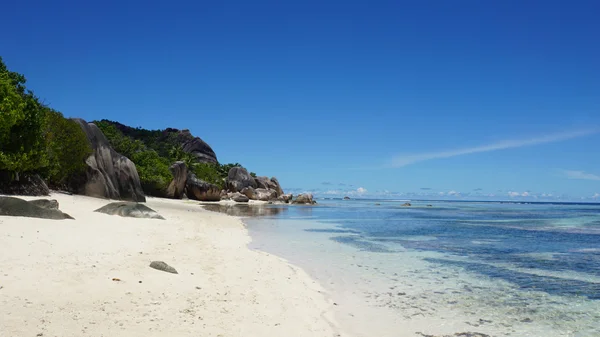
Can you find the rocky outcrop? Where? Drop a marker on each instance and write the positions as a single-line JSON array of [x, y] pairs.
[[109, 174], [176, 188], [162, 266], [10, 206], [269, 184], [201, 190], [285, 198], [346, 198], [263, 194], [304, 199], [31, 185], [249, 192], [130, 210], [45, 203], [196, 146], [238, 197], [238, 178], [407, 204]]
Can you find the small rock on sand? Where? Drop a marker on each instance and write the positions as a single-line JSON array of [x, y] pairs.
[[160, 265]]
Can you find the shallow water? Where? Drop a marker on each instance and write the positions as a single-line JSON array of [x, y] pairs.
[[493, 268]]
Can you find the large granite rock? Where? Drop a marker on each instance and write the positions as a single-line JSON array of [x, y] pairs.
[[304, 199], [109, 174], [176, 188], [238, 197], [286, 198], [196, 146], [265, 194], [130, 210], [269, 184], [238, 178], [201, 190], [10, 206], [31, 185], [249, 192]]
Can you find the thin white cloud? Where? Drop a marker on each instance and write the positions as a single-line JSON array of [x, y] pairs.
[[581, 175], [404, 160], [361, 190], [513, 194], [596, 196]]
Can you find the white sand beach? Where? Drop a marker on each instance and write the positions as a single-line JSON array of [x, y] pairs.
[[91, 277]]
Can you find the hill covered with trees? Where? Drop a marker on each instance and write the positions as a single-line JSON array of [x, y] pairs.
[[153, 152]]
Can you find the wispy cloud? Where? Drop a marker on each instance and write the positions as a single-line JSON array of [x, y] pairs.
[[425, 188], [326, 183], [581, 175], [404, 160]]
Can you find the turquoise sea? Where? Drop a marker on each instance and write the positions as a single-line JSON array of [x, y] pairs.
[[440, 268]]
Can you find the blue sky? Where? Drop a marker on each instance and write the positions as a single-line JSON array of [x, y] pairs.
[[452, 99]]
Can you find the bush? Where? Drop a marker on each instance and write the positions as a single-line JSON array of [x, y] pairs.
[[209, 173], [153, 171], [67, 146]]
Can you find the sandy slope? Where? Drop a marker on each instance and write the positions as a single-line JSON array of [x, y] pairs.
[[56, 277]]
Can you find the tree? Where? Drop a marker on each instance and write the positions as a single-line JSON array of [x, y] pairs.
[[22, 116], [68, 148]]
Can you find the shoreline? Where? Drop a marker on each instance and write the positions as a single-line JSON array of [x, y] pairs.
[[57, 277]]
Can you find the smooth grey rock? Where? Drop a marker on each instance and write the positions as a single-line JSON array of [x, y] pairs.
[[277, 186], [249, 192], [285, 198], [130, 210], [197, 189], [264, 194], [238, 178], [159, 265], [109, 174], [176, 188], [196, 146], [10, 206], [238, 197], [269, 184], [304, 199], [45, 203]]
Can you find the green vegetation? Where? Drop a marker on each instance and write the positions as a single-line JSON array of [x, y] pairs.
[[67, 148], [153, 151], [35, 139]]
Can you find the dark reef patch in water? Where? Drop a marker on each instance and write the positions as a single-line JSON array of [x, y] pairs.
[[361, 244], [548, 284], [333, 231]]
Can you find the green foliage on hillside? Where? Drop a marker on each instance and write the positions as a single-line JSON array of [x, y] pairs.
[[35, 138], [153, 151]]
